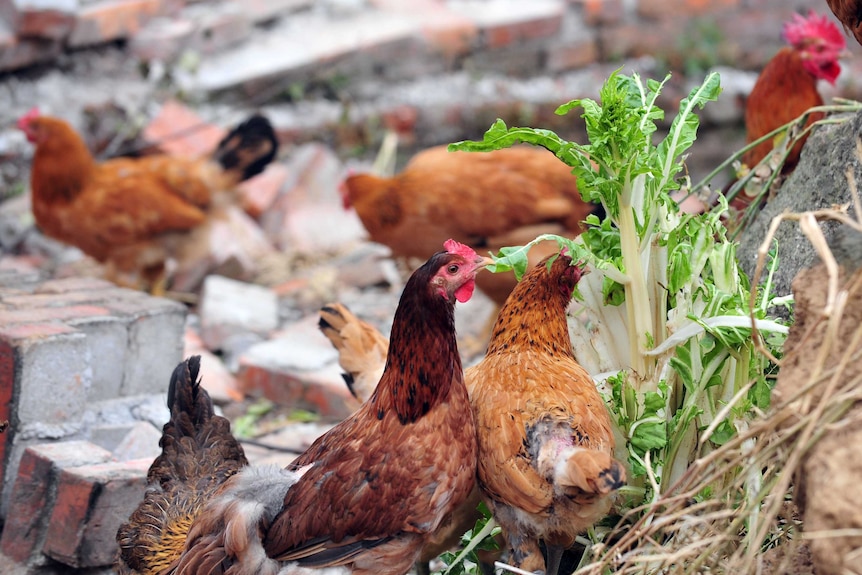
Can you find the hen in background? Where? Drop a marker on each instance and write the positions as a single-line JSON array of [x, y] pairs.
[[133, 213], [849, 13], [787, 87], [546, 464], [485, 200], [366, 495]]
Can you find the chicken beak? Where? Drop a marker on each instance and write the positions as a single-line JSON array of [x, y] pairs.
[[484, 262]]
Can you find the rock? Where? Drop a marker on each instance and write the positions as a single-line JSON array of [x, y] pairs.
[[818, 182], [229, 307]]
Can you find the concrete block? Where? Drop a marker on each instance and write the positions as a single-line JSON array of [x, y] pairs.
[[51, 371], [102, 22], [141, 442], [33, 494], [220, 26], [107, 338], [155, 343], [162, 39], [229, 307], [92, 501]]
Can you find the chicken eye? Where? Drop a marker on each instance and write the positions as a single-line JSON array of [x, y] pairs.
[[453, 268]]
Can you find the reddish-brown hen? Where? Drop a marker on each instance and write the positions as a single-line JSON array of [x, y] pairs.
[[486, 200], [130, 213], [849, 12], [367, 494], [546, 463], [787, 86]]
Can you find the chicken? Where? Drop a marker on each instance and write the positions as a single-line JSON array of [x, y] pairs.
[[362, 353], [361, 348], [546, 465], [198, 455], [132, 213], [367, 494], [486, 200], [849, 13], [787, 86]]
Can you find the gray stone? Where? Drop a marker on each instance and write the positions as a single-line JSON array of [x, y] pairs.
[[818, 182]]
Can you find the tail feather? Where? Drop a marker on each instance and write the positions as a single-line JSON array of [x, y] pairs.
[[361, 348], [591, 472], [247, 149], [198, 455]]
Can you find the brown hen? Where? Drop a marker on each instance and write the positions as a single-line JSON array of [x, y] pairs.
[[198, 455], [485, 200], [133, 213], [546, 462], [366, 495]]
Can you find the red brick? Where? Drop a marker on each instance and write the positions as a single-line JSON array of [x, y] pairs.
[[33, 331], [111, 20], [76, 284], [660, 9], [92, 501], [40, 315], [178, 131], [312, 391], [49, 24], [597, 12], [96, 296], [7, 389], [33, 494], [572, 56], [258, 193], [505, 34]]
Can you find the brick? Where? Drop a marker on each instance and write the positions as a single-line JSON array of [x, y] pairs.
[[50, 372], [41, 315], [162, 39], [141, 441], [178, 131], [50, 20], [155, 343], [297, 369], [258, 194], [33, 493], [107, 338], [265, 10], [572, 56], [74, 284], [602, 12], [229, 307], [92, 501], [503, 22], [16, 53], [220, 26], [659, 9], [109, 20], [49, 303]]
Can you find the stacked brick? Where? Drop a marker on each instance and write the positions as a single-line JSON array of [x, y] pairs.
[[401, 38], [69, 350]]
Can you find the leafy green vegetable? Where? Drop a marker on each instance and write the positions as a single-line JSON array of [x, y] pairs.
[[664, 325]]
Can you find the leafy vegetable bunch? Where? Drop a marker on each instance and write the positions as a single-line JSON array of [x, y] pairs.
[[662, 322]]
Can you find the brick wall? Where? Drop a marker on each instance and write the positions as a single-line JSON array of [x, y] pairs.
[[409, 37]]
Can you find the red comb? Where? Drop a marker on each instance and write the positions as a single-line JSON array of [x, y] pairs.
[[24, 120], [802, 28], [454, 247]]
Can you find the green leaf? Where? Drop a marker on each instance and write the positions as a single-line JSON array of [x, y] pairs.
[[649, 435]]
